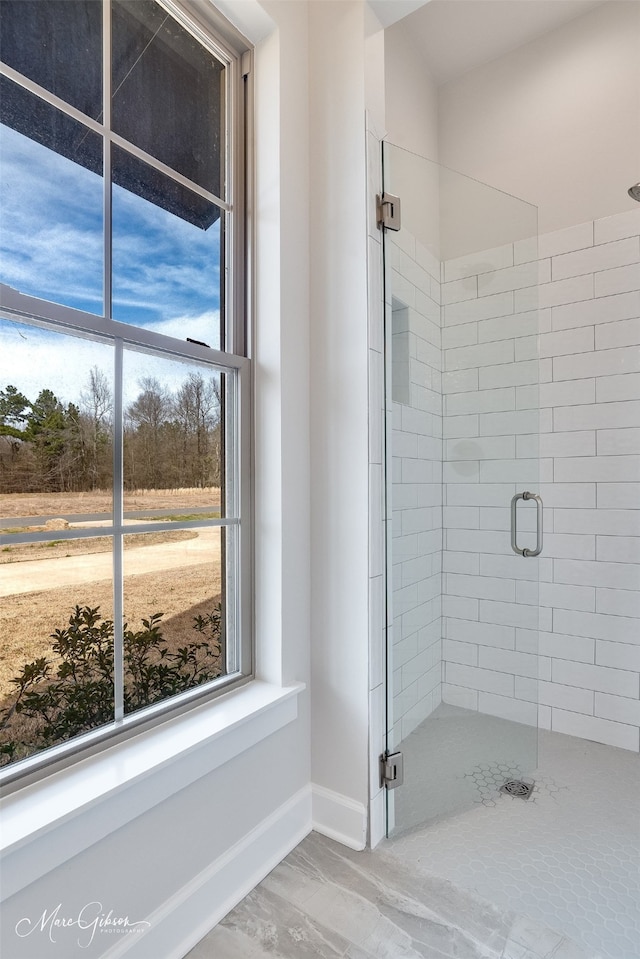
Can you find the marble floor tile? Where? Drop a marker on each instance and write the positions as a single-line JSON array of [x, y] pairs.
[[328, 902]]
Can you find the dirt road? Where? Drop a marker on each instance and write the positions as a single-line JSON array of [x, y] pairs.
[[43, 574]]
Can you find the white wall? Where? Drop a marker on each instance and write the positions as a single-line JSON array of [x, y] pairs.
[[339, 419], [557, 121], [411, 95], [281, 345], [183, 850], [411, 121]]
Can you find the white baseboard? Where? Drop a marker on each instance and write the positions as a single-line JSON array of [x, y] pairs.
[[183, 920], [339, 817]]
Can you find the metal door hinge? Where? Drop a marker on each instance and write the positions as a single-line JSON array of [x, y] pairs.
[[245, 63], [388, 207], [391, 770]]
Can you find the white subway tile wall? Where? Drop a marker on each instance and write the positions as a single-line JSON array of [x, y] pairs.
[[413, 283], [509, 373], [582, 597]]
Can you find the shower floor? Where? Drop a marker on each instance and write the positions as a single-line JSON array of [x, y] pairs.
[[568, 857], [457, 758]]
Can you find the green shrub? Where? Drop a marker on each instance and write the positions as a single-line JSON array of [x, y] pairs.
[[77, 694]]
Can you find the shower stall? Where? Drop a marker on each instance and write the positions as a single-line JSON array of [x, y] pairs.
[[464, 511], [512, 531]]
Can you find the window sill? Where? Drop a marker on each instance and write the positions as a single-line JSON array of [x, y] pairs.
[[101, 786]]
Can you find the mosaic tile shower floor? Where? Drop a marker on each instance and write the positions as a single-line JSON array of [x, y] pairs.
[[568, 857]]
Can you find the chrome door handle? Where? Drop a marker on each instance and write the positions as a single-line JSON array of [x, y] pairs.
[[514, 524]]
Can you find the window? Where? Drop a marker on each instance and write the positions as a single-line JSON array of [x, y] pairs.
[[124, 386]]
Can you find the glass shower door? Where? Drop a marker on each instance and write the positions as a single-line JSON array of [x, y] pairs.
[[464, 526]]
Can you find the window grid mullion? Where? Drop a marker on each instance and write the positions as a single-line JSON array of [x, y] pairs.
[[118, 598], [17, 539], [20, 307], [118, 544]]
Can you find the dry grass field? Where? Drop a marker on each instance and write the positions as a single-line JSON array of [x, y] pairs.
[[28, 619], [45, 504]]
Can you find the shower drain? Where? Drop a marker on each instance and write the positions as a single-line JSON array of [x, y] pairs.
[[517, 787]]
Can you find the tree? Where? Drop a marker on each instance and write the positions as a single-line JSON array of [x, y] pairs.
[[146, 418], [172, 438], [96, 416], [46, 426], [13, 412], [197, 410]]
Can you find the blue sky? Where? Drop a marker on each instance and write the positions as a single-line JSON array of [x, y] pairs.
[[51, 226], [165, 271], [163, 267]]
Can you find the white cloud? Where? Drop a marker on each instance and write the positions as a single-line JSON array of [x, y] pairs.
[[203, 327], [51, 242], [33, 359]]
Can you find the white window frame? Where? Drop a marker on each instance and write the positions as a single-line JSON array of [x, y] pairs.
[[229, 47]]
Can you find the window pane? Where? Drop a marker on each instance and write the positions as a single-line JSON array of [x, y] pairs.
[[168, 92], [62, 224], [56, 429], [173, 582], [42, 39], [173, 455], [51, 196], [166, 254], [69, 690]]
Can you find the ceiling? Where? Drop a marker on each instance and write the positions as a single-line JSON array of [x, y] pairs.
[[458, 35]]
